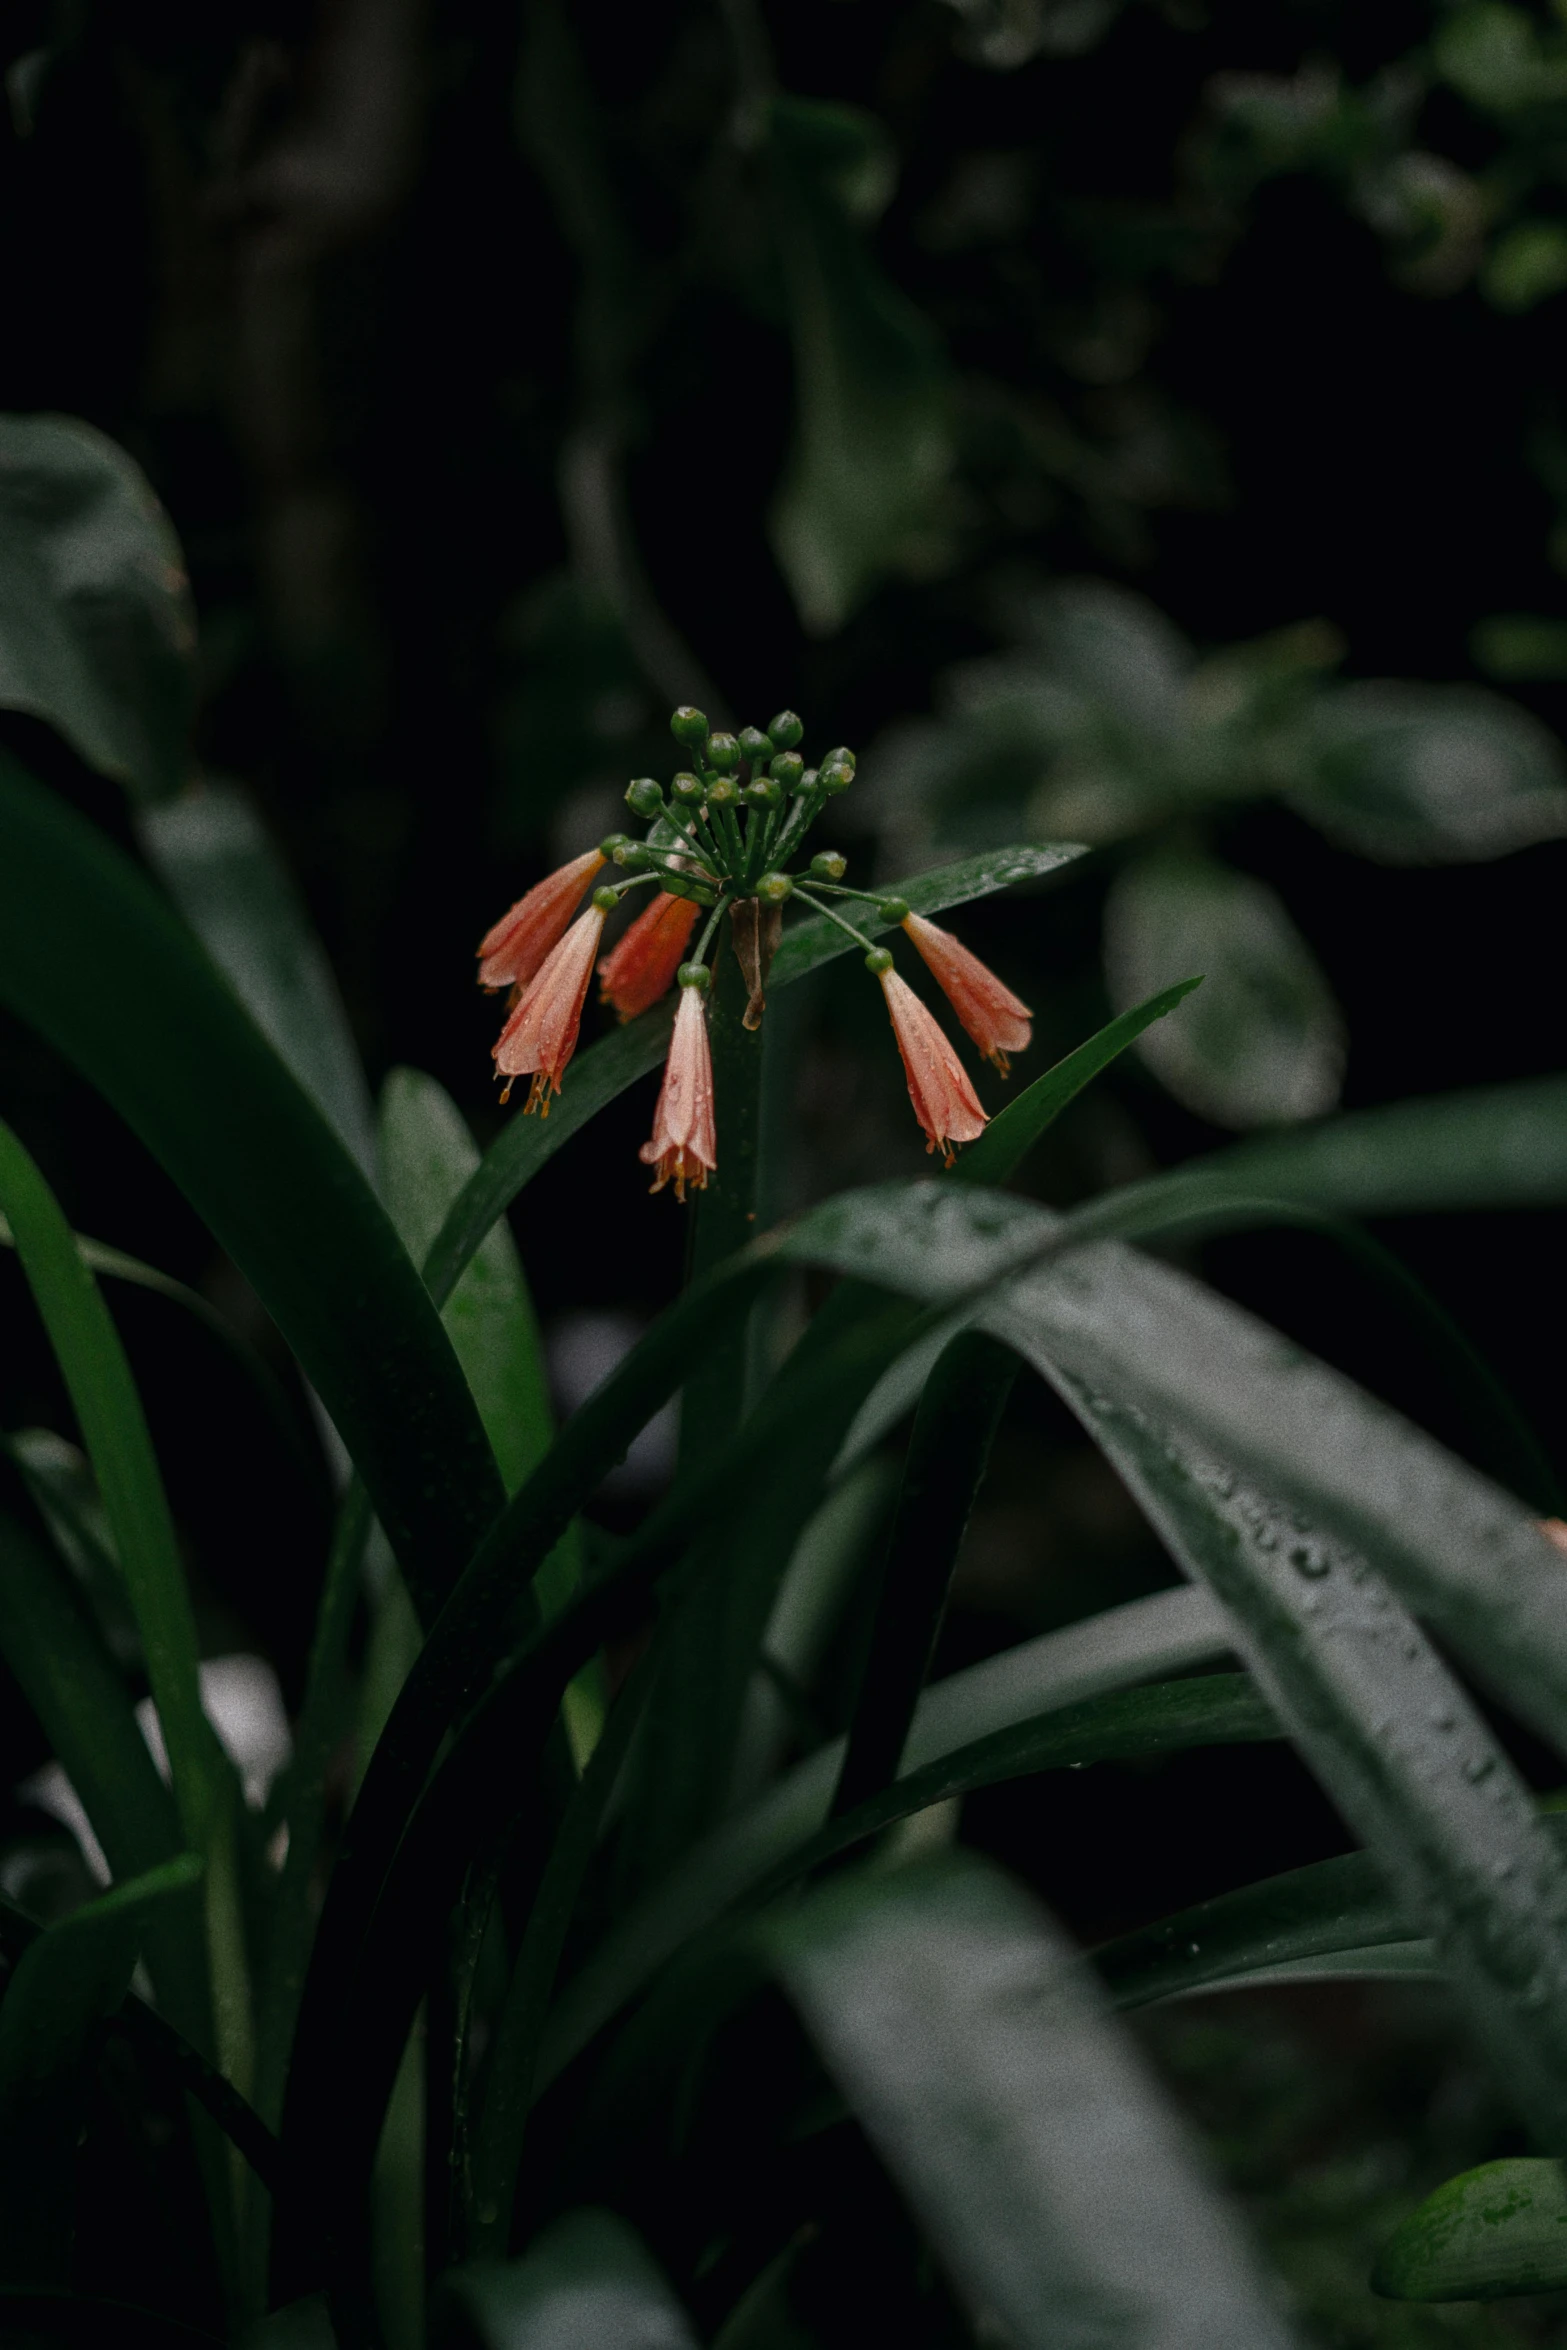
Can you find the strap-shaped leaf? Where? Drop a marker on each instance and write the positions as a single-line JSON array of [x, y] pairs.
[[1169, 1633], [1389, 1733], [1052, 2177], [1490, 2233], [138, 1008], [587, 2283], [222, 871]]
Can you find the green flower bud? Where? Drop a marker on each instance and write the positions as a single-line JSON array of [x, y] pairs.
[[722, 791], [695, 975], [605, 900], [633, 857], [786, 730], [723, 752], [841, 758], [836, 778], [763, 793], [788, 768], [829, 865], [755, 745], [689, 726], [687, 789], [612, 844], [878, 960], [644, 797], [810, 779], [894, 909], [773, 888]]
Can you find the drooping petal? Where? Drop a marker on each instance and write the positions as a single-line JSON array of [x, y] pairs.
[[995, 1018], [684, 1145], [541, 1035], [512, 951], [641, 967], [945, 1103]]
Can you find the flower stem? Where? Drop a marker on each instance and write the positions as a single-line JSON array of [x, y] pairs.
[[833, 915]]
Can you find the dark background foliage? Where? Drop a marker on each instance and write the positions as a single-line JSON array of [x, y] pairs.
[[469, 404]]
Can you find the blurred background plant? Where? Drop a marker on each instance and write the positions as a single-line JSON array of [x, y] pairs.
[[1135, 423]]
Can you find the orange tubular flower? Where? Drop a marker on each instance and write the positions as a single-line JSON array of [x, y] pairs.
[[541, 1035], [513, 951], [991, 1013], [634, 974], [945, 1103], [685, 1143]]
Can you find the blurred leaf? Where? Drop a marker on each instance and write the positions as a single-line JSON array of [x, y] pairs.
[[587, 2283], [1054, 2180], [1421, 774], [1172, 1632], [1526, 265], [1493, 55], [137, 1007], [1263, 1042], [1495, 2231], [1406, 1757], [228, 880], [1519, 646], [97, 634], [1004, 34], [872, 449]]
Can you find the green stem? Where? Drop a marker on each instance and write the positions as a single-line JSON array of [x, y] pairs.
[[833, 915]]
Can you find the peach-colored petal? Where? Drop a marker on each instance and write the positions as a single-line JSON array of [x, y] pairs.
[[684, 1145], [994, 1017], [642, 966], [512, 950], [945, 1103], [541, 1035]]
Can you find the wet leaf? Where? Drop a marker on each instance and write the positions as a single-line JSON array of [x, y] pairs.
[[1490, 2233], [1427, 774]]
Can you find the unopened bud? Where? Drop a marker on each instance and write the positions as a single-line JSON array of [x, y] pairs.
[[605, 900], [644, 797], [632, 857], [786, 730], [689, 726], [788, 768], [878, 960], [829, 865], [763, 793], [612, 844], [687, 789], [773, 888], [756, 746], [894, 909], [723, 752], [841, 757], [695, 975], [835, 776], [722, 791]]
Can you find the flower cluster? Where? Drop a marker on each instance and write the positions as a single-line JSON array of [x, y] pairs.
[[720, 840]]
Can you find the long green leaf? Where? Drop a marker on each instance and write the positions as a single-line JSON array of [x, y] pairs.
[[114, 1433], [1390, 1734], [1317, 1912], [588, 2283], [140, 1011], [213, 855], [1052, 2177], [1170, 1632], [1493, 2232]]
